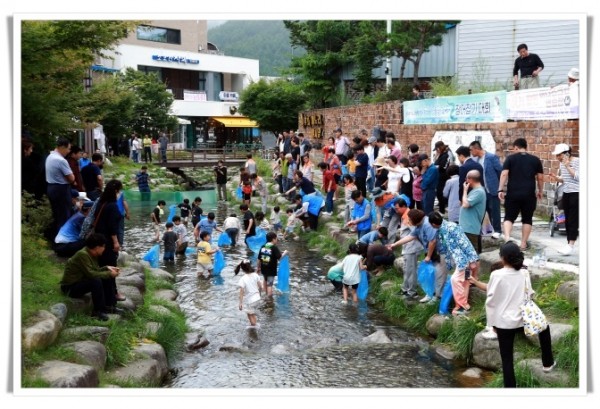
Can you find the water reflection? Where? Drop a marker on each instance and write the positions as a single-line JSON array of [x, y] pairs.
[[307, 338]]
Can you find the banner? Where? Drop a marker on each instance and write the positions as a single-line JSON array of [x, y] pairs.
[[470, 108], [560, 102]]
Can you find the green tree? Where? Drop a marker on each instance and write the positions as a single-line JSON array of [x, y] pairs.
[[319, 70], [363, 48], [273, 105], [410, 39], [54, 58]]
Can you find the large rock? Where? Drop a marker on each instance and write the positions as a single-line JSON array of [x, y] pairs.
[[134, 280], [161, 274], [165, 294], [132, 293], [99, 334], [195, 341], [159, 309], [156, 352], [124, 258], [378, 337], [145, 371], [556, 376], [42, 332], [60, 311], [569, 290], [486, 353], [81, 305], [67, 375], [90, 353], [434, 323]]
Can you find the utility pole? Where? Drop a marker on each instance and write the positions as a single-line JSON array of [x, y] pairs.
[[88, 133], [388, 60]]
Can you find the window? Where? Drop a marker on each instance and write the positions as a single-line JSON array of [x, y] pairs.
[[158, 34]]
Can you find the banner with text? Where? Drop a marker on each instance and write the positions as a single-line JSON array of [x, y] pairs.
[[560, 102], [486, 107]]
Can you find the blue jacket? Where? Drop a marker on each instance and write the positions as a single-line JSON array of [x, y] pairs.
[[492, 168], [362, 210], [430, 178]]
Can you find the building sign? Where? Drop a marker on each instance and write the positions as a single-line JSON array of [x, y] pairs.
[[192, 95], [560, 102], [316, 123], [229, 96], [454, 139], [472, 108], [169, 58]]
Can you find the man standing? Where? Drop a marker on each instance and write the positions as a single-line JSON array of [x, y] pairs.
[[530, 66], [492, 168], [466, 164], [163, 141], [147, 142], [342, 145], [143, 181], [59, 177], [429, 182], [221, 175], [92, 177], [473, 209], [135, 149], [305, 146], [362, 168], [518, 179]]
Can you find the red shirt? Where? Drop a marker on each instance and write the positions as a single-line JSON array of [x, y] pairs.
[[328, 178]]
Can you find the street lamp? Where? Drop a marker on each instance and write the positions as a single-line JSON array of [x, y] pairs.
[[89, 136]]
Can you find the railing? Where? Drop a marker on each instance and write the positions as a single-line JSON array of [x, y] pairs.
[[205, 154]]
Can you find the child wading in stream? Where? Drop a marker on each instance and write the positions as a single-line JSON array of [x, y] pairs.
[[250, 291]]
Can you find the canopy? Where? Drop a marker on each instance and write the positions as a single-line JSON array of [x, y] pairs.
[[236, 122]]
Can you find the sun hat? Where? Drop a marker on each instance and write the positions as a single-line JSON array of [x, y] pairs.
[[573, 73], [560, 148], [380, 161], [377, 192]]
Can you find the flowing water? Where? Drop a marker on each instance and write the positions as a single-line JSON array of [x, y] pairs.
[[320, 337]]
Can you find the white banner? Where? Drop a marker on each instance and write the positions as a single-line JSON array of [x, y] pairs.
[[560, 102]]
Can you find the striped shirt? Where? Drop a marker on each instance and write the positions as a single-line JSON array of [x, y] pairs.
[[571, 182]]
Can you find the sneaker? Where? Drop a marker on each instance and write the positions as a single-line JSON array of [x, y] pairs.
[[549, 368], [425, 299], [489, 334], [433, 300], [344, 302], [567, 250], [495, 235], [460, 311]]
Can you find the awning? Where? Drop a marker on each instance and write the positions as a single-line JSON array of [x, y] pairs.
[[236, 122], [182, 121]]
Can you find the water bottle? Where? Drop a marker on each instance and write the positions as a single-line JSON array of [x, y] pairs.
[[543, 259]]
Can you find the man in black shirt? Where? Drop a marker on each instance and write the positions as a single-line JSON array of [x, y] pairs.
[[249, 221], [221, 174], [530, 66], [517, 188], [268, 257]]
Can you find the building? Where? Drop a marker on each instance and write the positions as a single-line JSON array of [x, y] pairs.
[[205, 83]]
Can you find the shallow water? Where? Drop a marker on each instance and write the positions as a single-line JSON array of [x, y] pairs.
[[296, 322]]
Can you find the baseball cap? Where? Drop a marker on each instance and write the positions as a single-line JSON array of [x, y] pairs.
[[573, 73], [372, 139], [74, 193]]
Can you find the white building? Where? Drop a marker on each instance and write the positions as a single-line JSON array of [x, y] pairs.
[[205, 83]]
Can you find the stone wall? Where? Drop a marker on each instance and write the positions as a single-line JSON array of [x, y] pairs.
[[541, 136]]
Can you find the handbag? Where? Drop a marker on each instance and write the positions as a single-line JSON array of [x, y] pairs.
[[89, 229], [534, 320]]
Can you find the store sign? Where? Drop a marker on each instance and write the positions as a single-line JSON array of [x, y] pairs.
[[229, 96], [169, 58], [316, 123], [471, 108]]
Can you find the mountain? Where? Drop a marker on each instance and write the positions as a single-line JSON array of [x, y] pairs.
[[264, 40]]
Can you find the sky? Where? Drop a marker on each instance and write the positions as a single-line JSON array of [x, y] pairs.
[[266, 10]]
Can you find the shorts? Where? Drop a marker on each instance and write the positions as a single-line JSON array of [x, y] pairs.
[[512, 208], [475, 240], [289, 229], [269, 280], [354, 286], [277, 227], [205, 267], [247, 196], [156, 229], [250, 308]]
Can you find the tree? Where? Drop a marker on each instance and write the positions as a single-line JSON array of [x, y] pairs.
[[363, 48], [410, 39], [274, 105], [319, 70], [55, 56]]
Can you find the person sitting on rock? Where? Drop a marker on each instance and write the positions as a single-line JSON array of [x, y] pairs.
[[83, 275]]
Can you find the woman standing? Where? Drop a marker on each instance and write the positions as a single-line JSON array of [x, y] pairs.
[[307, 167], [107, 220], [506, 291], [326, 153], [569, 176]]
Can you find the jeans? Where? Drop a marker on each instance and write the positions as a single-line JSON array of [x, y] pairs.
[[428, 200], [134, 156], [222, 191], [506, 339], [371, 180], [492, 206], [329, 202], [163, 154]]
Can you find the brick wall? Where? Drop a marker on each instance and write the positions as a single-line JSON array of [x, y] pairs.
[[541, 136]]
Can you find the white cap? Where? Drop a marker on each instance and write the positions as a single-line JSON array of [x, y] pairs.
[[83, 196], [560, 148], [573, 73]]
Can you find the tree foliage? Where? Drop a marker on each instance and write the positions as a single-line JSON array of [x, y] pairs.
[[54, 58], [273, 105]]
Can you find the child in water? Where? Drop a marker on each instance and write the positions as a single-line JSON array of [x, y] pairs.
[[250, 291], [352, 264]]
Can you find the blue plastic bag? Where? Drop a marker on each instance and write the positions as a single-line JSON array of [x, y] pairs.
[[446, 297], [190, 250], [224, 240], [153, 255], [283, 274], [426, 277], [363, 286], [219, 263], [172, 210], [257, 241], [238, 193]]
